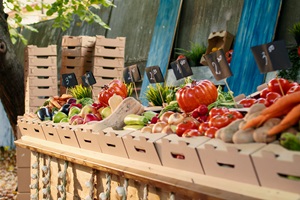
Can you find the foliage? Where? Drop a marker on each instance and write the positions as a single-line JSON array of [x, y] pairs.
[[154, 94], [292, 73], [295, 30], [80, 92], [63, 9], [194, 54]]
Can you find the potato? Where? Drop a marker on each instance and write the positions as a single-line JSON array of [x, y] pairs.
[[243, 136], [250, 116], [256, 107], [219, 133], [228, 131], [261, 134]]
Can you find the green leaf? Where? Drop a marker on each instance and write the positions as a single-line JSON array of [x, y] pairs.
[[29, 8], [37, 7], [31, 28]]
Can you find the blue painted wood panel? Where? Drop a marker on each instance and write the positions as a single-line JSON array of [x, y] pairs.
[[257, 26], [162, 39]]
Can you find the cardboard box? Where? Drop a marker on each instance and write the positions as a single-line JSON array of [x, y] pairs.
[[34, 71], [110, 42], [35, 101], [41, 81], [32, 50], [112, 72], [77, 51], [275, 167], [25, 126], [78, 41], [37, 131], [180, 153], [23, 196], [50, 132], [88, 139], [111, 142], [117, 52], [229, 161], [24, 179], [77, 61], [67, 135], [220, 39], [109, 62], [140, 146], [41, 60], [36, 91], [23, 157]]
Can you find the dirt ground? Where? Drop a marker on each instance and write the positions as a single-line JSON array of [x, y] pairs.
[[8, 174]]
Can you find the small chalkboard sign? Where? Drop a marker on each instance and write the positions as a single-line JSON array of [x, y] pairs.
[[271, 56], [69, 80], [88, 79], [154, 74], [132, 74], [218, 64], [181, 68]]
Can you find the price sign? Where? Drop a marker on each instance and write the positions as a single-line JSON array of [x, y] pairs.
[[88, 79], [69, 80], [218, 64], [132, 74], [154, 74], [271, 56], [181, 68]]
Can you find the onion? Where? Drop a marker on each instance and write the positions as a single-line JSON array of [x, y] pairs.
[[175, 119], [146, 129], [165, 116], [158, 127], [169, 129]]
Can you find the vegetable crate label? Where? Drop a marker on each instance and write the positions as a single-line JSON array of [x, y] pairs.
[[271, 56], [132, 74], [88, 79], [154, 74], [181, 68], [69, 80], [218, 64]]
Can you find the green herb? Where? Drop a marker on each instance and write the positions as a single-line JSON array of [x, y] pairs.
[[225, 99], [80, 92], [194, 54], [292, 73], [154, 94]]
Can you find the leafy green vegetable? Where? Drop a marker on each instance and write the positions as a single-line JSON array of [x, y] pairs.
[[154, 94], [85, 101], [80, 92], [224, 99]]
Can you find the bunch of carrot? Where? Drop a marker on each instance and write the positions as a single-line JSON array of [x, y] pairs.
[[287, 106]]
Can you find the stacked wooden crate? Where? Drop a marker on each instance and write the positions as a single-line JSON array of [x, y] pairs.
[[77, 57], [40, 75], [108, 61]]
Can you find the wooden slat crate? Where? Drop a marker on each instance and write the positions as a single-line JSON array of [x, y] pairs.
[[110, 42], [112, 72], [32, 50], [108, 62], [78, 61], [77, 51], [76, 41]]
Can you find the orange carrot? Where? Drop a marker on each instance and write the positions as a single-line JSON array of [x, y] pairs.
[[255, 122], [283, 103], [289, 120]]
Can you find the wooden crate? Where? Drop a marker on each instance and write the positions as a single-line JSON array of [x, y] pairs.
[[113, 72], [77, 61], [110, 42], [78, 41], [77, 51], [108, 61], [35, 101], [41, 81], [116, 52], [32, 50], [34, 71], [36, 91], [40, 61]]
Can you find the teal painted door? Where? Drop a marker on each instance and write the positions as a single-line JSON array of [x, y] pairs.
[[162, 39], [257, 26]]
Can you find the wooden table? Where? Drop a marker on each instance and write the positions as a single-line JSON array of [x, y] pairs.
[[162, 182]]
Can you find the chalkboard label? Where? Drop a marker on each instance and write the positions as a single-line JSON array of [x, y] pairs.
[[69, 80], [271, 56], [181, 68], [132, 74], [88, 79], [154, 74], [218, 64]]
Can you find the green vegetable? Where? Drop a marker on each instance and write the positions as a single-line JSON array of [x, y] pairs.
[[133, 127], [154, 94], [85, 101], [133, 119], [149, 114], [80, 92], [225, 99], [290, 141], [172, 106]]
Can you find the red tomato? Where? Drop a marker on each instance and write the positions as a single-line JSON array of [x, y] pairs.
[[275, 84], [218, 111], [219, 121], [203, 127], [114, 87], [183, 126], [233, 115], [272, 97], [293, 89], [264, 92], [195, 94], [247, 102], [192, 133], [263, 101], [211, 132]]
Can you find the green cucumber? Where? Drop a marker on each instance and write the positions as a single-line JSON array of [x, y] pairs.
[[149, 114], [133, 119], [133, 127]]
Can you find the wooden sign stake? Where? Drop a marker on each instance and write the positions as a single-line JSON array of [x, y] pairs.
[[134, 86], [280, 86], [230, 92]]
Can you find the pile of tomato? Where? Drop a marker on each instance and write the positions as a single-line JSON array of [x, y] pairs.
[[277, 87]]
